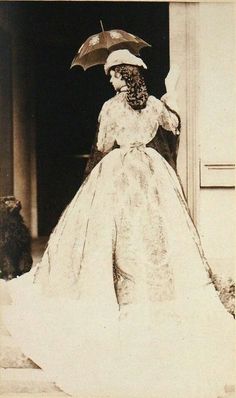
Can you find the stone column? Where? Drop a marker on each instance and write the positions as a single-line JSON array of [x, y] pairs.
[[24, 132], [6, 136]]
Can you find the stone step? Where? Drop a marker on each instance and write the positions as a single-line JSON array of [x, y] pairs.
[[11, 355], [63, 395], [30, 381], [57, 394]]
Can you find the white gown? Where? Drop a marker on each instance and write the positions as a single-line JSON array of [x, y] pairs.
[[121, 304]]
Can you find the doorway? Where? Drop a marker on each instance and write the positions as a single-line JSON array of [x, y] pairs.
[[68, 101]]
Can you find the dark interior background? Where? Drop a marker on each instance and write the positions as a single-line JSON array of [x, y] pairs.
[[68, 100], [6, 150]]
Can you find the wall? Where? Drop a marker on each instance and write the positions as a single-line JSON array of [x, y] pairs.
[[217, 99], [202, 42]]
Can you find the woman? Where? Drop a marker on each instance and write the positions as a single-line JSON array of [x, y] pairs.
[[165, 142], [122, 299]]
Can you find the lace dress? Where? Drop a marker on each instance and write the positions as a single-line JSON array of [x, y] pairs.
[[122, 304]]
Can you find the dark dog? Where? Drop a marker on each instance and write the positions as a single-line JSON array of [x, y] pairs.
[[15, 240]]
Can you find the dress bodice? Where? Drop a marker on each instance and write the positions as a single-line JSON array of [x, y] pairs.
[[120, 123]]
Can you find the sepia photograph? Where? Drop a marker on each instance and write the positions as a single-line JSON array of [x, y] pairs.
[[117, 199]]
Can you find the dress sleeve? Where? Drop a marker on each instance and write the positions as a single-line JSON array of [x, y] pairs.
[[106, 136], [168, 117]]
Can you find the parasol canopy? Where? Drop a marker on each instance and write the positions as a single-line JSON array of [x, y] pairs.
[[96, 48]]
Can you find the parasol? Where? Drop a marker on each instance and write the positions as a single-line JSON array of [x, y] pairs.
[[96, 48]]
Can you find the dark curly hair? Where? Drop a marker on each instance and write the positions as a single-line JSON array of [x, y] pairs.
[[137, 91]]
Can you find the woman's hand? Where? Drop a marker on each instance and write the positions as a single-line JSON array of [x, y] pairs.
[[172, 78]]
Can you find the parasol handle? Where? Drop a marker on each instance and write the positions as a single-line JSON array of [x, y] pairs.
[[101, 25], [103, 32]]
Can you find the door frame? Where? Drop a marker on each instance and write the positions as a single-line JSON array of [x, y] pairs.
[[184, 51]]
